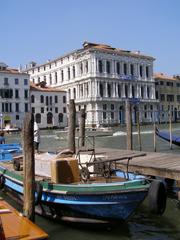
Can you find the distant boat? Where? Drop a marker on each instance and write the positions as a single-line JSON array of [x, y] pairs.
[[10, 129], [166, 136], [9, 150]]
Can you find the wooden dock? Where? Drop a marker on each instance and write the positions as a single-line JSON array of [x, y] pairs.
[[166, 165], [14, 226]]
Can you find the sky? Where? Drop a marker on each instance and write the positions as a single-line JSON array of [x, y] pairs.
[[38, 30]]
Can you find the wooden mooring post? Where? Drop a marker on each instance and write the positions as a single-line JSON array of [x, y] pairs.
[[138, 130], [170, 129], [71, 126], [128, 125], [154, 136], [82, 128], [29, 167]]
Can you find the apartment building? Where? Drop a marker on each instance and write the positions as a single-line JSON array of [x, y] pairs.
[[14, 96], [48, 106], [168, 94]]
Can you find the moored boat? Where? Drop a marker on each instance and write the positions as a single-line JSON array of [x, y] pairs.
[[65, 197], [166, 136]]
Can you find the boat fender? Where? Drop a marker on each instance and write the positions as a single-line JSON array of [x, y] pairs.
[[157, 197], [38, 193], [2, 181]]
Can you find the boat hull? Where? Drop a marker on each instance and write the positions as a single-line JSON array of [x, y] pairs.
[[108, 202]]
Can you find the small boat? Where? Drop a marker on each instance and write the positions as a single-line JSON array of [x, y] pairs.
[[9, 150], [166, 136], [11, 147], [64, 196]]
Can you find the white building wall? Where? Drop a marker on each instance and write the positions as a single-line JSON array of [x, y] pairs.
[[87, 82], [13, 116]]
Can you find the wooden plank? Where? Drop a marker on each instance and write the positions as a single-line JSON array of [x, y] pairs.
[[16, 226]]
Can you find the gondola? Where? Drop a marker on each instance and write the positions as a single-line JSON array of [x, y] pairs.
[[166, 136]]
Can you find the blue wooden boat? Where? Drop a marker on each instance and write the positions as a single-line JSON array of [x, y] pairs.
[[97, 201], [11, 147], [166, 136]]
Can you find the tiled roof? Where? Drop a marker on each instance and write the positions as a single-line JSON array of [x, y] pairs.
[[163, 76], [12, 71], [112, 50], [35, 87]]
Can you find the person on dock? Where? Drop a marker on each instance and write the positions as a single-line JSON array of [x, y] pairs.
[[36, 137], [2, 138]]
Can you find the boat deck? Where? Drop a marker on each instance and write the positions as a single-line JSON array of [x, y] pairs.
[[15, 226]]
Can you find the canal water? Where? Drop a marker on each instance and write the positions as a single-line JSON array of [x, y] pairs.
[[142, 225]]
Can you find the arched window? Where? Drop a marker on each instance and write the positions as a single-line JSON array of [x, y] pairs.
[[47, 101], [49, 118], [42, 99], [125, 69], [132, 69], [100, 66], [108, 67], [148, 92], [109, 90], [50, 100], [64, 99], [133, 92], [39, 79], [126, 91], [141, 70], [32, 98], [74, 93], [50, 79], [118, 68], [62, 75], [55, 77], [45, 78], [56, 99], [86, 67], [38, 118], [101, 89], [60, 117], [74, 72], [142, 92], [69, 74]]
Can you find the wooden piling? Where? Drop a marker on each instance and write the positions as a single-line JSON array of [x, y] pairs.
[[28, 166], [154, 137], [71, 125], [82, 128], [138, 130], [128, 125], [170, 129]]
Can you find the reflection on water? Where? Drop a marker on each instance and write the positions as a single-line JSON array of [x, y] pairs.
[[142, 225]]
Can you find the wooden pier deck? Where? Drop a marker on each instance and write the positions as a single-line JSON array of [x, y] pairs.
[[15, 226], [166, 165]]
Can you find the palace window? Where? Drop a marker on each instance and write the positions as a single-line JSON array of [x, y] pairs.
[[69, 74], [132, 69], [16, 81], [125, 68], [56, 99], [42, 99], [100, 66], [118, 68], [108, 67], [32, 98], [74, 72]]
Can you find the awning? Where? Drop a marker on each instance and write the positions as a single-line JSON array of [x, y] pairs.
[[7, 118]]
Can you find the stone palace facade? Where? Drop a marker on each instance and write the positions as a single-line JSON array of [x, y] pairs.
[[100, 79]]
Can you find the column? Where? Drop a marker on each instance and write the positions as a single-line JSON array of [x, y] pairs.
[[130, 90], [123, 90], [106, 93]]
